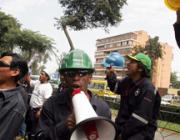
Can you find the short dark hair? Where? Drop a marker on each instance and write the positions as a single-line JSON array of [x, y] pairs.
[[17, 62]]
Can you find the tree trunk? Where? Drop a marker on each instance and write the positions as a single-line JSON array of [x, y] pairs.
[[68, 37]]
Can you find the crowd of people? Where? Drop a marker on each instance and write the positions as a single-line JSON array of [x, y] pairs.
[[28, 107]]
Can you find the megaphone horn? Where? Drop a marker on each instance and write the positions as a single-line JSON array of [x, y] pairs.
[[89, 126]]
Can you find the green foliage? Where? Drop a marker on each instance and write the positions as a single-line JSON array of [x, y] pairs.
[[170, 126], [36, 49], [34, 43], [33, 46], [152, 48], [174, 77], [9, 28], [81, 14], [178, 93], [174, 80], [170, 113], [7, 23]]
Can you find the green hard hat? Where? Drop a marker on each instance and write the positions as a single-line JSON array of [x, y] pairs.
[[142, 58], [76, 59]]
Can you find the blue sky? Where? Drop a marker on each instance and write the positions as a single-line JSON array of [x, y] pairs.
[[149, 15]]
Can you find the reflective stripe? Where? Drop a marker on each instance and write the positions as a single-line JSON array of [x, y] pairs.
[[155, 91], [140, 118], [115, 88]]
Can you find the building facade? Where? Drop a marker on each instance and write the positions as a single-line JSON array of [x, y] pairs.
[[124, 44]]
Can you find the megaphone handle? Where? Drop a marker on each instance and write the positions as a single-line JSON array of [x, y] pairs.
[[71, 122]]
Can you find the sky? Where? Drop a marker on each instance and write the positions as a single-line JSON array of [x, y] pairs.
[[151, 16]]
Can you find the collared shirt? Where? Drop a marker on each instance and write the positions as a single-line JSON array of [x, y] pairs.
[[13, 106], [55, 112]]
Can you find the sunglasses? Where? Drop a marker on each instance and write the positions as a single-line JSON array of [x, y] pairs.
[[2, 64], [73, 73]]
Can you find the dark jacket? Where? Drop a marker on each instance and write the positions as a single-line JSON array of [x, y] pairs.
[[55, 112], [13, 107], [177, 33], [139, 108]]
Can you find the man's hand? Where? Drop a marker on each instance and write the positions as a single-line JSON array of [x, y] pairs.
[[38, 113], [71, 122], [110, 71]]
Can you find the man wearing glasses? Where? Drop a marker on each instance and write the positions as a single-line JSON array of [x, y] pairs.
[[57, 117], [13, 101]]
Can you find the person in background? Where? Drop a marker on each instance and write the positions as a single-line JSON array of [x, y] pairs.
[[57, 118], [140, 101], [24, 82], [13, 98], [42, 91], [110, 73], [62, 85], [177, 28]]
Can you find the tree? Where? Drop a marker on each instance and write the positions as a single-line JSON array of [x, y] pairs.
[[174, 77], [153, 48], [9, 28], [33, 46], [178, 93], [83, 14], [36, 48], [175, 83]]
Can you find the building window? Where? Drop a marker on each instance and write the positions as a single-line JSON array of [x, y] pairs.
[[130, 42], [100, 47]]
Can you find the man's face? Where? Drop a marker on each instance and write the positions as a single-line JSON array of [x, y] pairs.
[[132, 67], [43, 78], [5, 71], [77, 78]]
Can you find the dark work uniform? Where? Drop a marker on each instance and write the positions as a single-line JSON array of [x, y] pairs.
[[55, 112], [13, 107], [139, 108], [177, 33]]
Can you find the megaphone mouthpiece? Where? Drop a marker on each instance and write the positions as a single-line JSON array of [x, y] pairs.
[[76, 91]]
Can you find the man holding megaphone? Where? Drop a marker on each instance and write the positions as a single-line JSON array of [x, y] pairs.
[[59, 114]]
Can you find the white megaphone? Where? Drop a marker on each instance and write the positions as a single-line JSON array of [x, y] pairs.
[[89, 126]]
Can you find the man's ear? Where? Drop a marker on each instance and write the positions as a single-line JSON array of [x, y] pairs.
[[15, 72], [90, 78]]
